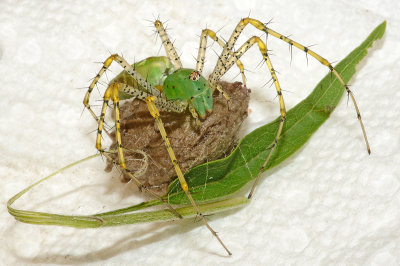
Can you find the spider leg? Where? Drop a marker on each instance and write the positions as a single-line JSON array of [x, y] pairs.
[[220, 66], [129, 69], [154, 112], [169, 47], [112, 93], [202, 51], [243, 49], [264, 51], [162, 104]]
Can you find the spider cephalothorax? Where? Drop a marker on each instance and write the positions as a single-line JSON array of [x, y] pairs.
[[184, 85]]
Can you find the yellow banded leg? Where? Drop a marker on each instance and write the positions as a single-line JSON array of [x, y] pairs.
[[224, 94], [126, 66], [112, 93], [261, 26], [169, 47], [154, 112], [263, 49], [322, 60], [220, 65], [106, 98], [202, 52], [243, 49], [163, 104]]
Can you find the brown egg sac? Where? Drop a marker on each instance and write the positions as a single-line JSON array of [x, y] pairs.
[[192, 145]]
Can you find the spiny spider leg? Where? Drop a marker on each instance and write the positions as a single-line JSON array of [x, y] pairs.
[[202, 52], [322, 61], [169, 47], [221, 67], [125, 65], [112, 92], [264, 51], [154, 112]]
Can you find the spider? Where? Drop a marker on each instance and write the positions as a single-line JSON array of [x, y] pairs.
[[165, 85]]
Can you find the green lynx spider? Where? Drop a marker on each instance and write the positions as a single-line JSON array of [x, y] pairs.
[[165, 85]]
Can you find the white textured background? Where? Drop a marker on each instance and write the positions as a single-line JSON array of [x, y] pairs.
[[330, 203]]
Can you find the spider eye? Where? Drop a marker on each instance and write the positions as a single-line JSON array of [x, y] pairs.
[[195, 75]]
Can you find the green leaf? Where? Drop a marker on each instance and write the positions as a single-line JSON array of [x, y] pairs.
[[215, 180], [113, 218]]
